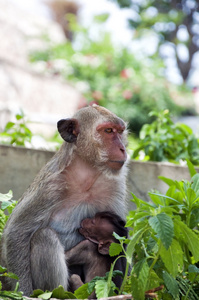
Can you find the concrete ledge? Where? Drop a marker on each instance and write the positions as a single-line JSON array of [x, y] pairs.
[[143, 176], [19, 166]]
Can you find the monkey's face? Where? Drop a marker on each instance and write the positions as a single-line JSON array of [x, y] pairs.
[[111, 135], [99, 137], [97, 229]]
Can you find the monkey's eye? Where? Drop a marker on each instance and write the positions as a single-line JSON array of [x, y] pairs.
[[108, 130], [120, 131]]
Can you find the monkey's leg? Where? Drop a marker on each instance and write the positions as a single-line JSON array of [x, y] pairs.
[[75, 282], [48, 264]]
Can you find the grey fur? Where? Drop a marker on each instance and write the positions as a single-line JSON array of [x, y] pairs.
[[45, 220]]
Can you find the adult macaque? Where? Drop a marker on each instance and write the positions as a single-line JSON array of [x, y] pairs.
[[87, 175], [93, 253]]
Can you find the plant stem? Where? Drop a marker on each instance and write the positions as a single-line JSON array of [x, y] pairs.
[[125, 278], [156, 258]]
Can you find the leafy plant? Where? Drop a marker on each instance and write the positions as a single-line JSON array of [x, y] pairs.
[[164, 140], [7, 206], [112, 76], [16, 133], [164, 241], [9, 294]]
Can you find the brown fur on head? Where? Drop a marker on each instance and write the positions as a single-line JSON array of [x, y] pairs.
[[92, 143]]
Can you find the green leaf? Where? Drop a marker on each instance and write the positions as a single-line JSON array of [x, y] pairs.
[[192, 170], [46, 295], [11, 295], [101, 289], [6, 197], [189, 237], [119, 238], [36, 293], [168, 181], [5, 205], [2, 269], [194, 219], [195, 183], [60, 293], [12, 275], [9, 125], [172, 258], [139, 279], [171, 285], [115, 249], [133, 241], [82, 292], [138, 216], [140, 202], [158, 200], [101, 18], [167, 197], [19, 117], [153, 280], [162, 224], [193, 269], [191, 196]]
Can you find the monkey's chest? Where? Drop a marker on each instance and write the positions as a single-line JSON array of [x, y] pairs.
[[66, 223]]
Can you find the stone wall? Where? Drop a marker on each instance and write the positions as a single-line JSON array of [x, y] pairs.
[[19, 166]]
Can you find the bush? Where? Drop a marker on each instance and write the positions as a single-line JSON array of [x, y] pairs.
[[164, 140], [112, 76]]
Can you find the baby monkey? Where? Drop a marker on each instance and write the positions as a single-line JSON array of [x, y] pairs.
[[93, 252]]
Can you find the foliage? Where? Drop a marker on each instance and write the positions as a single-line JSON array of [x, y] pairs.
[[173, 22], [164, 241], [16, 133], [9, 294], [162, 248], [164, 140], [111, 76], [7, 206]]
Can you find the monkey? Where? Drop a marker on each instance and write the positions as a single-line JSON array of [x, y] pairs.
[[86, 175], [93, 252]]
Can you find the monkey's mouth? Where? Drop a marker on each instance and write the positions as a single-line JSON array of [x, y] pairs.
[[116, 164]]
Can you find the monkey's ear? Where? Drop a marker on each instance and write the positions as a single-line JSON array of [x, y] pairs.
[[103, 247], [68, 129]]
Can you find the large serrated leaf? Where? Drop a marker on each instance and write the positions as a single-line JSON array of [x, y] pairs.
[[171, 285], [162, 224], [189, 237], [172, 258]]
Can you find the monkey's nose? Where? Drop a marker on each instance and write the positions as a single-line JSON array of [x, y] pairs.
[[122, 150]]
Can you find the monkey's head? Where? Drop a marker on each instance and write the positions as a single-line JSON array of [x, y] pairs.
[[99, 230], [98, 136]]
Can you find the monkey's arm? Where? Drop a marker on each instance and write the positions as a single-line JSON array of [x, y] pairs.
[[81, 253]]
